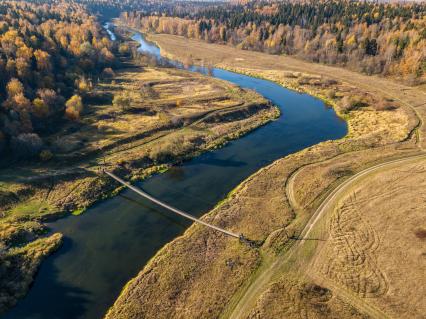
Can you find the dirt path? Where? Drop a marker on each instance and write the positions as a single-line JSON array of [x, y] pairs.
[[261, 282]]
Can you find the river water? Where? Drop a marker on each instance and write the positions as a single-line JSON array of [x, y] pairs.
[[107, 245]]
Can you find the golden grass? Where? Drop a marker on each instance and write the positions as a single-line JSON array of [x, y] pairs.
[[372, 248], [261, 207], [292, 297]]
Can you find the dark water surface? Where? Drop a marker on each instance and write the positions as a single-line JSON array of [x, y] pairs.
[[107, 246]]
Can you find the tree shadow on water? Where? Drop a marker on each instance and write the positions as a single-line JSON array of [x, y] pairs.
[[224, 162], [50, 298]]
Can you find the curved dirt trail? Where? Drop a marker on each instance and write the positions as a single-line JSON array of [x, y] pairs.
[[261, 282]]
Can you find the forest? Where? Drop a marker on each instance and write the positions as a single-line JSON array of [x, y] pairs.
[[50, 54], [369, 37]]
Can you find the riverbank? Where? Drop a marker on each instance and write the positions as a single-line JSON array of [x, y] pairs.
[[326, 83], [255, 62], [204, 180], [170, 116], [274, 204]]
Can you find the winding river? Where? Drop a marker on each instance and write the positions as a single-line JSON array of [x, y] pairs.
[[107, 246]]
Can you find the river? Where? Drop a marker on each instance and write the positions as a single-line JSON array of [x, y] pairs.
[[110, 243]]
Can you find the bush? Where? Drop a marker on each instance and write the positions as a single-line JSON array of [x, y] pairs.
[[74, 107], [46, 155], [124, 49], [27, 145], [303, 80], [384, 105], [349, 103], [290, 75], [122, 101], [148, 91], [174, 147], [41, 109], [329, 82], [53, 101], [331, 94], [108, 73]]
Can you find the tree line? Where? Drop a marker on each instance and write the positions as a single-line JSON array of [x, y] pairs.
[[370, 37], [49, 53]]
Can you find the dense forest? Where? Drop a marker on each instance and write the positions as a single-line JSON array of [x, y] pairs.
[[49, 53], [108, 9], [370, 37]]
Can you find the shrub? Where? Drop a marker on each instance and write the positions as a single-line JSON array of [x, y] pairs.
[[303, 80], [46, 155], [108, 73], [329, 82], [331, 94], [26, 145], [83, 85], [74, 107], [148, 91], [290, 75], [41, 109], [122, 101], [124, 49], [384, 105], [173, 148], [349, 103], [14, 87], [53, 101]]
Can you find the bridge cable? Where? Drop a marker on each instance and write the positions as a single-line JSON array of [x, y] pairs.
[[175, 210]]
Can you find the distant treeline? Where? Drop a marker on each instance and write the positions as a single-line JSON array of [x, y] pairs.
[[49, 52], [108, 9], [370, 37]]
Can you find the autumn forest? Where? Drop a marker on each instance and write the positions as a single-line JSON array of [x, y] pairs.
[[51, 52], [372, 38], [49, 55], [274, 149]]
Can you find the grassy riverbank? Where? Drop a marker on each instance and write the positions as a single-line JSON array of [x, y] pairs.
[[167, 116], [274, 204]]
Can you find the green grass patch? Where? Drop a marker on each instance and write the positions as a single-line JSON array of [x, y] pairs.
[[32, 207], [78, 211]]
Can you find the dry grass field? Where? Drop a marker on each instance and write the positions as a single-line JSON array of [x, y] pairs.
[[274, 205], [375, 241], [364, 259], [293, 298]]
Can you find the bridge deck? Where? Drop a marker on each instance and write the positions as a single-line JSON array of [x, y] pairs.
[[175, 210]]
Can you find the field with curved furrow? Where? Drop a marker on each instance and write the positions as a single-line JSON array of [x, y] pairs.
[[375, 246]]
